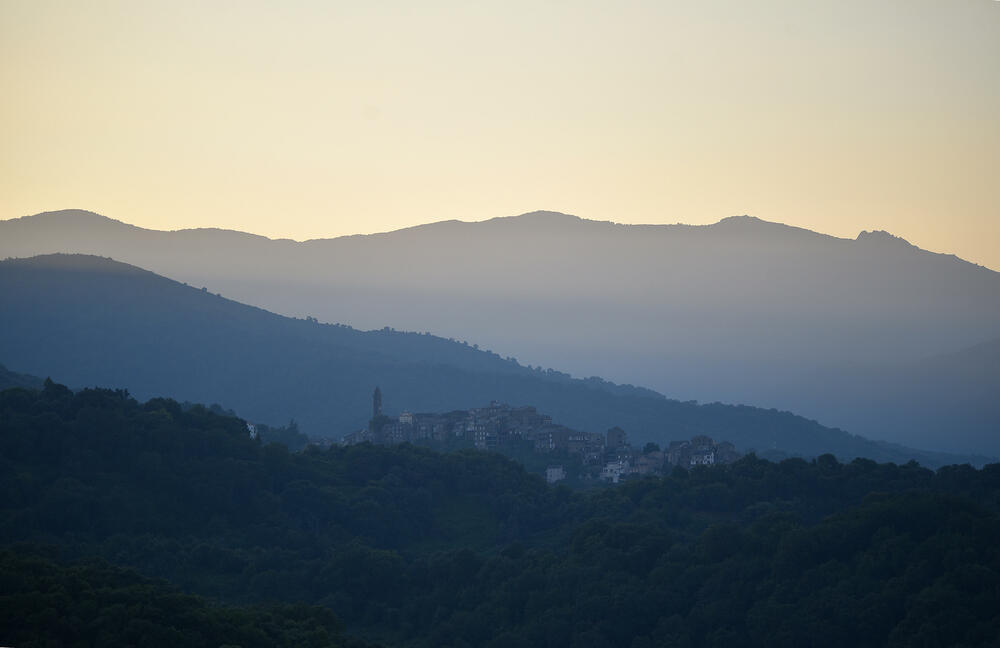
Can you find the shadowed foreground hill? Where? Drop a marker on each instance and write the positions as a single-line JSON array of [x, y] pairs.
[[88, 320], [46, 604], [409, 547]]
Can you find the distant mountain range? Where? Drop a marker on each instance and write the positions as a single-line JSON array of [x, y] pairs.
[[90, 321], [872, 335]]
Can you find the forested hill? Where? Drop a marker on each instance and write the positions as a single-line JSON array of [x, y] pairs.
[[740, 311], [92, 321], [43, 603], [413, 548]]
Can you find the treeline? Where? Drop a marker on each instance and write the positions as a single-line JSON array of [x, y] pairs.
[[411, 547]]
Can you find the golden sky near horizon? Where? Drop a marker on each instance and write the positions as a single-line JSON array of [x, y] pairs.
[[316, 119]]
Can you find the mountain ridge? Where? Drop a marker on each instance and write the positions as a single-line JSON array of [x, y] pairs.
[[744, 224], [93, 321], [741, 223], [737, 311], [70, 215]]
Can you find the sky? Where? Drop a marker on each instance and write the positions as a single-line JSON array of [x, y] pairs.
[[316, 119]]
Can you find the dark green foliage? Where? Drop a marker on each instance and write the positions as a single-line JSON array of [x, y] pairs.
[[45, 604], [92, 321], [98, 464], [286, 435], [412, 547]]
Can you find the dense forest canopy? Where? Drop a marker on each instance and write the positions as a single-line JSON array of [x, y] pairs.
[[43, 603], [409, 547], [92, 321]]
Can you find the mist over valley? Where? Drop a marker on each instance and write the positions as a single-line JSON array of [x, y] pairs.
[[870, 335]]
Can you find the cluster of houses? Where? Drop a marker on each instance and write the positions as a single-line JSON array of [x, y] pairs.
[[701, 451], [623, 460], [488, 428], [608, 457]]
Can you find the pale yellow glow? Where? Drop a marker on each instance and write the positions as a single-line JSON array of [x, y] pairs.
[[316, 119]]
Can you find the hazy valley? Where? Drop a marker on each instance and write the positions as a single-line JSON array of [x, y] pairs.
[[403, 523], [289, 360], [95, 322], [871, 335]]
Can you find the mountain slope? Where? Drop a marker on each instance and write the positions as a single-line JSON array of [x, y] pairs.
[[952, 393], [10, 379], [740, 311], [93, 321]]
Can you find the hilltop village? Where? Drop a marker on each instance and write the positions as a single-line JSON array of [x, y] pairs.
[[524, 431]]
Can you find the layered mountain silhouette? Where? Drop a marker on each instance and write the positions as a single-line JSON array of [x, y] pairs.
[[93, 321], [844, 331]]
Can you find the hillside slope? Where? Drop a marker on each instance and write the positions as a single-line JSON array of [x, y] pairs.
[[93, 321], [742, 311], [10, 379], [415, 548]]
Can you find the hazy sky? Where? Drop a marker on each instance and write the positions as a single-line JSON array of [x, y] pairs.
[[314, 119]]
